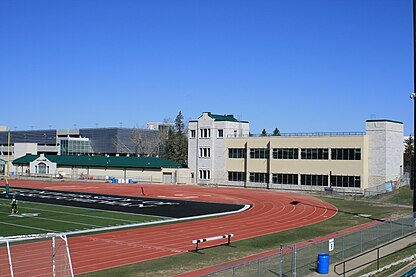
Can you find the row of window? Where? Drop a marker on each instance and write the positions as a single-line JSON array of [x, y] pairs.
[[204, 174], [259, 153], [237, 153], [284, 178], [293, 153], [346, 181], [206, 133], [292, 179], [346, 154], [236, 176], [314, 153], [204, 152], [285, 153]]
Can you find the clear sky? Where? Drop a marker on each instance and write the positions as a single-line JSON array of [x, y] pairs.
[[299, 65]]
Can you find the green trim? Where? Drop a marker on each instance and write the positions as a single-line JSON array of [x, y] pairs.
[[102, 161], [225, 117]]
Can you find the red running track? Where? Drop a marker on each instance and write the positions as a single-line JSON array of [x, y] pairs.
[[271, 212]]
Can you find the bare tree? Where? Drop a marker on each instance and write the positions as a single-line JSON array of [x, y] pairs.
[[137, 141]]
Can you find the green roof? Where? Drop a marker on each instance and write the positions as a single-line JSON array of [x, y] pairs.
[[225, 117], [102, 161]]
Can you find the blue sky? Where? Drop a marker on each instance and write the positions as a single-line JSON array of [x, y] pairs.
[[299, 65]]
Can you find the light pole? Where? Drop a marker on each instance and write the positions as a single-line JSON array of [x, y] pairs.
[[414, 112]]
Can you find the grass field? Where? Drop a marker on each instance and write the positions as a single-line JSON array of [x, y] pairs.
[[43, 218]]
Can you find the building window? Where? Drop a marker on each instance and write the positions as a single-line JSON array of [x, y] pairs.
[[234, 176], [193, 133], [75, 146], [346, 154], [314, 153], [259, 153], [285, 153], [204, 174], [42, 168], [205, 133], [204, 152], [220, 133], [346, 181], [285, 179], [314, 180], [237, 153], [257, 177]]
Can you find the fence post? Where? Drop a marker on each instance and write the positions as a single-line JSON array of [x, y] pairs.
[[281, 261], [391, 229], [343, 248], [402, 225], [294, 261], [378, 258], [258, 268]]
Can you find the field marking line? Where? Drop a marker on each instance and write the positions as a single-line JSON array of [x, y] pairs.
[[84, 215], [27, 227], [62, 221]]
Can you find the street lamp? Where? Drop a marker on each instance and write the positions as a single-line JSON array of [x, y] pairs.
[[412, 96]]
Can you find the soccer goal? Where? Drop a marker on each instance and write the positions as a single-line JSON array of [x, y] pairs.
[[35, 255]]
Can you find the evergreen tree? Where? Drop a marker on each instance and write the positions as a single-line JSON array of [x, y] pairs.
[[264, 133], [276, 132], [408, 158], [179, 125], [176, 148], [170, 149]]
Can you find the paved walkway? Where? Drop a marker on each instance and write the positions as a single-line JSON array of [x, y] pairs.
[[369, 257]]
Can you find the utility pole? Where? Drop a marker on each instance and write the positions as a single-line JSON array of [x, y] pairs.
[[414, 112]]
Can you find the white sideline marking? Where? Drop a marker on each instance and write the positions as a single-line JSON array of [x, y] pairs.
[[56, 220], [28, 227], [69, 187], [24, 215]]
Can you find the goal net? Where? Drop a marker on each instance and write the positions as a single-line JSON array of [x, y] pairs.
[[35, 255]]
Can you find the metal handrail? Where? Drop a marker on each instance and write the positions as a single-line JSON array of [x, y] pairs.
[[369, 251], [300, 134]]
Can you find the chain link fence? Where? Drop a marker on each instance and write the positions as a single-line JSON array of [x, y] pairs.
[[295, 260]]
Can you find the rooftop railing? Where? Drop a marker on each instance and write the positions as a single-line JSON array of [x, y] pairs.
[[312, 134]]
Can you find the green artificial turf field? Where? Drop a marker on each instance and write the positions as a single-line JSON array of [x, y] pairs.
[[43, 218]]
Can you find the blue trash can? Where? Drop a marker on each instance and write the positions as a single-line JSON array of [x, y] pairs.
[[323, 263]]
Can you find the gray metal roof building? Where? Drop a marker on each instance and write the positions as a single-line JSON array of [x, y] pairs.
[[99, 141]]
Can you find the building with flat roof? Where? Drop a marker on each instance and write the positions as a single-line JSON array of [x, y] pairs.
[[221, 150]]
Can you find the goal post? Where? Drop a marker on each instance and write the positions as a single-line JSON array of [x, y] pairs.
[[35, 255]]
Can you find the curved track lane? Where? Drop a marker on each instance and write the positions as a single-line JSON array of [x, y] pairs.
[[271, 212]]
